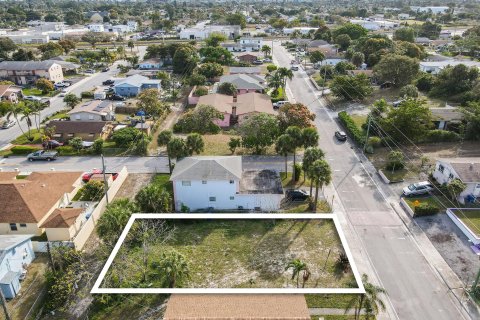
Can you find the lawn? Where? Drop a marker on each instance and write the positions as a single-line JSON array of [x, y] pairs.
[[279, 96], [240, 254], [163, 180], [341, 317], [471, 218], [335, 301], [434, 201], [32, 92], [288, 183], [37, 138], [395, 176], [359, 120]]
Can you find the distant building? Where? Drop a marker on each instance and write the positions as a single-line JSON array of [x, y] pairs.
[[302, 30], [27, 72], [96, 27], [373, 25], [432, 9], [435, 67], [87, 130], [95, 110], [245, 82], [28, 37], [134, 85], [201, 32], [154, 63]]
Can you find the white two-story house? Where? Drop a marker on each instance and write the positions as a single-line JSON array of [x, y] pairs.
[[465, 169], [95, 110], [220, 183]]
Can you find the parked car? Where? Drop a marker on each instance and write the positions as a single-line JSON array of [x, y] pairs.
[[88, 175], [89, 71], [418, 188], [279, 104], [42, 155], [296, 195], [294, 68], [63, 93], [341, 136], [105, 69], [32, 98], [257, 62], [267, 60], [116, 97], [7, 124], [51, 144], [108, 82], [62, 84]]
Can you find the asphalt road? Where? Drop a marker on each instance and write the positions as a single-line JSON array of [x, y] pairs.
[[414, 291], [57, 104]]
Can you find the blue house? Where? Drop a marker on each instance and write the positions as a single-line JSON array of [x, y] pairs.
[[134, 85], [16, 253], [151, 64]]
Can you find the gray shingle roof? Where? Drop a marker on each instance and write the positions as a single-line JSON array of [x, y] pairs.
[[208, 168], [245, 81], [26, 65]]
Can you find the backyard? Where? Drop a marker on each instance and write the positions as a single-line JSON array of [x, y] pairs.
[[471, 218], [240, 254]]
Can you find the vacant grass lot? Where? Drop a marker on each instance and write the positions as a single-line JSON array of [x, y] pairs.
[[243, 254], [471, 218]]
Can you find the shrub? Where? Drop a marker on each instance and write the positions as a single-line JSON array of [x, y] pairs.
[[425, 209], [442, 136], [298, 171], [124, 137], [97, 147], [271, 67], [86, 95], [352, 129], [22, 150], [375, 142], [93, 191], [201, 91], [66, 150]]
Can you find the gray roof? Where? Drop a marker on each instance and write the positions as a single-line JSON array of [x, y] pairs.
[[245, 81], [447, 114], [246, 70], [26, 65], [208, 168], [317, 43], [467, 169], [9, 277], [137, 81], [12, 240], [66, 64]]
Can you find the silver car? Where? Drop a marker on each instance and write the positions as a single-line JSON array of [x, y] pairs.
[[418, 188]]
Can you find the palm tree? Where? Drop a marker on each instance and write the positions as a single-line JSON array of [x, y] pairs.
[[321, 173], [296, 137], [285, 74], [311, 155], [266, 50], [163, 139], [176, 148], [174, 268], [284, 147], [297, 266], [310, 137], [275, 81], [194, 143], [131, 45], [26, 114], [36, 107], [15, 110], [369, 301]]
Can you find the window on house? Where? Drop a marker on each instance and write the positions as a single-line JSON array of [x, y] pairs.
[[13, 227], [186, 183], [232, 182], [232, 198], [90, 117], [212, 199], [77, 116], [204, 182], [450, 176], [441, 168], [23, 225]]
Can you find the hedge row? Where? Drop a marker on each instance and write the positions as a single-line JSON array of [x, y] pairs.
[[442, 136], [23, 150], [426, 209], [351, 128]]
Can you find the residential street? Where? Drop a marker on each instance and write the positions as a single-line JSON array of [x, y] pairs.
[[376, 235]]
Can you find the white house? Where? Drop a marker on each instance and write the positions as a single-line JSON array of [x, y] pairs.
[[435, 67], [373, 25], [202, 31], [132, 25], [221, 183], [95, 110], [434, 10], [465, 169], [302, 30], [96, 27], [16, 253]]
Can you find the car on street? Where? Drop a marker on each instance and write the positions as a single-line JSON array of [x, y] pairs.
[[8, 124], [32, 98], [257, 62], [108, 82], [279, 104], [418, 188], [294, 68], [90, 71], [116, 97], [51, 144], [63, 93], [105, 69], [296, 195], [62, 84], [42, 155], [267, 60], [341, 136]]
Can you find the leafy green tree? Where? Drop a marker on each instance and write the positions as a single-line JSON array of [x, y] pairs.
[[294, 114], [404, 34], [425, 82], [73, 17], [275, 81], [6, 46], [177, 148], [185, 60], [354, 31], [125, 137], [310, 137], [430, 30], [454, 188], [236, 19], [395, 160], [271, 68], [215, 38], [317, 56], [218, 55], [71, 100], [93, 191], [374, 47], [98, 146], [194, 143], [357, 59], [259, 131], [50, 50], [67, 45], [311, 155], [284, 147], [45, 85], [409, 91], [196, 80], [343, 66], [200, 120], [409, 49], [234, 143], [321, 175], [266, 50], [285, 74], [76, 143], [297, 267], [154, 199], [210, 70], [370, 301], [227, 88], [343, 41], [149, 101], [454, 80], [92, 38], [471, 113], [323, 33], [23, 55], [356, 87], [114, 219], [174, 269], [399, 70]]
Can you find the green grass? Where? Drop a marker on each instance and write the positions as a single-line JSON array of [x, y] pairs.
[[279, 96], [395, 176], [287, 181], [434, 201], [132, 306], [471, 218], [340, 317], [32, 92], [163, 180], [336, 301], [243, 254], [37, 138], [359, 119]]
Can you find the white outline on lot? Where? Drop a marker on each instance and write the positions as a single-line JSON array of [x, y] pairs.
[[96, 288]]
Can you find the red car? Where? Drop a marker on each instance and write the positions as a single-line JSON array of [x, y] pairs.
[[88, 175]]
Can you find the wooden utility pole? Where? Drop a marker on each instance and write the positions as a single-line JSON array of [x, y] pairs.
[[4, 306]]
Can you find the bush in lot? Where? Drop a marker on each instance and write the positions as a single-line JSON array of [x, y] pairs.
[[351, 128], [442, 136], [199, 120], [425, 209], [76, 143], [375, 142], [97, 147], [66, 151], [93, 191], [124, 137], [298, 171], [395, 161], [86, 95], [21, 150], [201, 91]]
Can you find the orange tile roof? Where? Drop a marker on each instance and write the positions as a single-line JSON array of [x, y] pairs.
[[28, 200], [62, 218], [232, 307]]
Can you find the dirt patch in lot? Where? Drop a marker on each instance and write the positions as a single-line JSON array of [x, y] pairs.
[[452, 244], [133, 183]]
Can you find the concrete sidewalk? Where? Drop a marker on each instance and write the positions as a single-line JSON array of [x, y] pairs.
[[331, 312]]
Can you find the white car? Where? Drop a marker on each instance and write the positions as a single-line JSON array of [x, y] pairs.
[[63, 93], [418, 188], [278, 104], [7, 124], [32, 98]]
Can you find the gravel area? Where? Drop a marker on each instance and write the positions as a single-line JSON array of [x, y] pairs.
[[133, 183], [452, 244]]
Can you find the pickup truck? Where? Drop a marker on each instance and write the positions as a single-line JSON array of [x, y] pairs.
[[42, 155]]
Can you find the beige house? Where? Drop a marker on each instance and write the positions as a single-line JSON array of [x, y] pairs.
[[87, 130], [95, 110], [9, 93], [27, 203], [64, 223], [27, 72]]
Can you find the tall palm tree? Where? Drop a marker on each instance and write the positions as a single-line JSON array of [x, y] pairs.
[[296, 137], [36, 107], [310, 137], [369, 301], [285, 74], [174, 268], [26, 114], [309, 157], [16, 110], [266, 50], [275, 81], [297, 266], [321, 174], [284, 147]]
